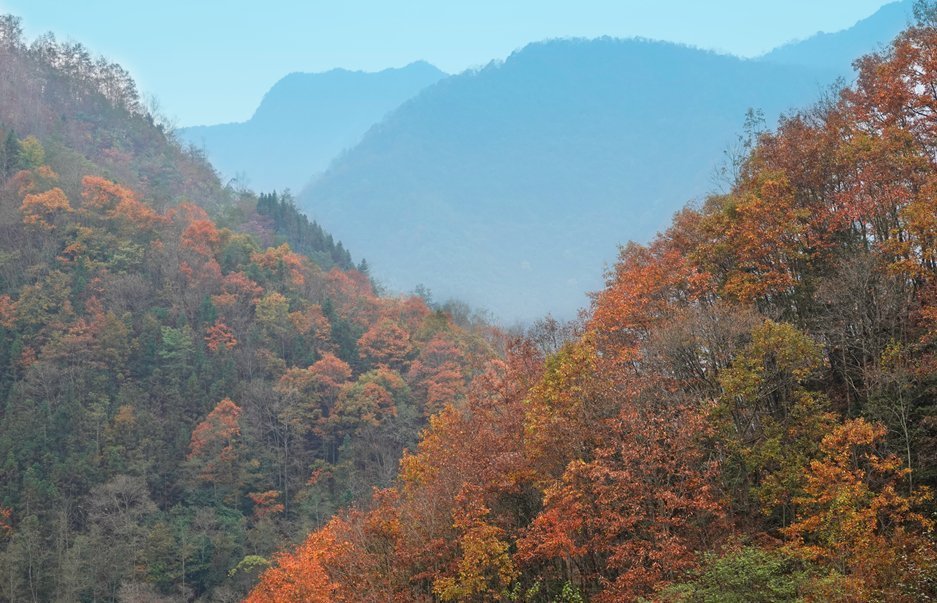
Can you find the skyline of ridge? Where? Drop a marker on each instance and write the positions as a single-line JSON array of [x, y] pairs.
[[235, 66]]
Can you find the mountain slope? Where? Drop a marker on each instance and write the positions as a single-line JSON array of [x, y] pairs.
[[87, 112], [304, 121], [838, 50], [747, 415], [509, 186], [180, 391]]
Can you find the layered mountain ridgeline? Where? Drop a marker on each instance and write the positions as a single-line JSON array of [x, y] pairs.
[[747, 415], [512, 185], [181, 393], [304, 122]]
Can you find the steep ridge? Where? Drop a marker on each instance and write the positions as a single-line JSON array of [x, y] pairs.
[[88, 113]]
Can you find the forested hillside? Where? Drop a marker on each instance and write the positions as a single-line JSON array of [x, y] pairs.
[[202, 399], [181, 392], [747, 414], [91, 119]]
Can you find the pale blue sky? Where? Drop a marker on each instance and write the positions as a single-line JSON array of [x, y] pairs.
[[211, 61]]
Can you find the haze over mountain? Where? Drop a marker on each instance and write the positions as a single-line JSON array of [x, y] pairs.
[[838, 50], [511, 185], [480, 185], [304, 121]]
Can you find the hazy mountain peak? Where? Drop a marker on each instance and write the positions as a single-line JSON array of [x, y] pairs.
[[493, 177], [332, 90], [837, 50], [305, 120]]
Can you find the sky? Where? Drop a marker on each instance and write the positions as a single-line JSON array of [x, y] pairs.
[[211, 61]]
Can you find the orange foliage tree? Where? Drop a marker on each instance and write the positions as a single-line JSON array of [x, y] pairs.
[[633, 518], [201, 236], [436, 375], [41, 209], [213, 448], [301, 576], [219, 336], [854, 520], [118, 203], [385, 343]]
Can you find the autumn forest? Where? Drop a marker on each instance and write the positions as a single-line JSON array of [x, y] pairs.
[[205, 397]]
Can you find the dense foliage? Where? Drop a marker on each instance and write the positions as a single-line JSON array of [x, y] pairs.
[[91, 119], [181, 393], [305, 237], [747, 414], [182, 398]]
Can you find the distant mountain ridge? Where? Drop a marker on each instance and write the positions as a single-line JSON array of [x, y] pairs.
[[507, 186], [838, 50], [304, 121], [510, 185]]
